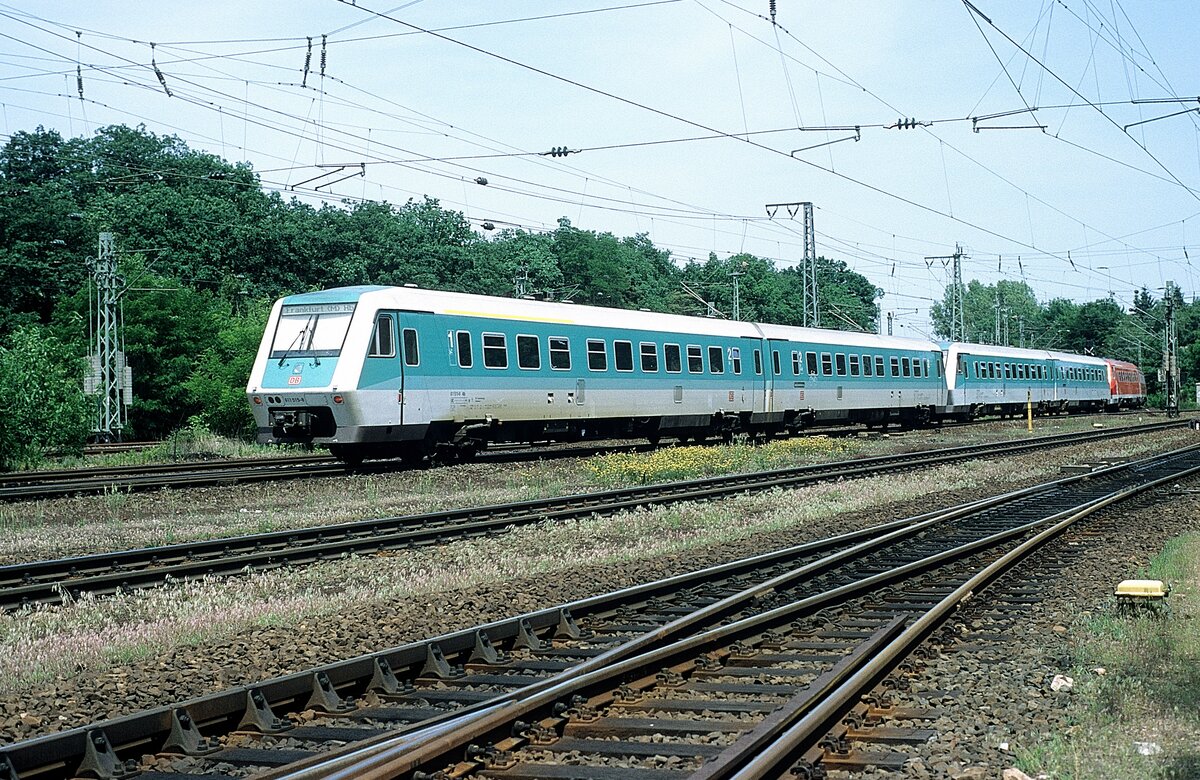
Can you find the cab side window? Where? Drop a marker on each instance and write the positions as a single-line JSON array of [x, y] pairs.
[[383, 342]]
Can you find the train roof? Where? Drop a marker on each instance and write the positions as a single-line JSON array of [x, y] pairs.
[[847, 338], [487, 306], [1020, 353]]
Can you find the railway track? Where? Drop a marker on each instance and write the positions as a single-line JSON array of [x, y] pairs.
[[226, 471], [50, 483], [754, 668], [66, 579]]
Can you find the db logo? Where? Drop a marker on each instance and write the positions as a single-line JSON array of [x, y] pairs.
[[294, 380]]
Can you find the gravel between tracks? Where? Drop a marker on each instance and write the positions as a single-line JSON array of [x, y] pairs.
[[90, 694], [989, 679]]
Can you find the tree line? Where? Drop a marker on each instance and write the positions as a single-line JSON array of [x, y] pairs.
[[1009, 313], [204, 250]]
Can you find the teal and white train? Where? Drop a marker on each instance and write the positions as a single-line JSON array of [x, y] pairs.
[[400, 371]]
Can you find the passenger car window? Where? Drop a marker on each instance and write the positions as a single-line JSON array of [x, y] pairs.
[[826, 364], [560, 353], [529, 355], [867, 366], [735, 357], [854, 365], [840, 360], [597, 355], [495, 350], [695, 359], [716, 360], [649, 357], [672, 359], [623, 355]]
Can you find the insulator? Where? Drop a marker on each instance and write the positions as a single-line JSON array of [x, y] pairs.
[[772, 11], [79, 80], [322, 56], [307, 63]]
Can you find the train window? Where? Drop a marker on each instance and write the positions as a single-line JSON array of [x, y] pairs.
[[1008, 371], [867, 366], [810, 360], [840, 359], [735, 359], [672, 359], [560, 353], [879, 365], [939, 365], [775, 361], [597, 355], [905, 366], [961, 365], [529, 355], [464, 349], [916, 366], [623, 355], [716, 360], [926, 363], [895, 366], [758, 362], [495, 350], [826, 364], [795, 363], [383, 341], [649, 357], [854, 365], [996, 371], [412, 354], [695, 359]]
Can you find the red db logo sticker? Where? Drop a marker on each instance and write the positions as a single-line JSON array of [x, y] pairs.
[[294, 380]]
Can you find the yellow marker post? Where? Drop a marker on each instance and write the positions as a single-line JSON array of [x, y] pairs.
[[1029, 410]]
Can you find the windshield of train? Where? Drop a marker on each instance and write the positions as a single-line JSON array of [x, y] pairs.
[[313, 330]]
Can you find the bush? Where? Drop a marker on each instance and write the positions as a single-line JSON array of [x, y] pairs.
[[41, 394]]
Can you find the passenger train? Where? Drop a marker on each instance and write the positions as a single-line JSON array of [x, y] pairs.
[[399, 371]]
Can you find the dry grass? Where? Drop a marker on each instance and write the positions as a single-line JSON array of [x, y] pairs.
[[77, 526], [90, 635]]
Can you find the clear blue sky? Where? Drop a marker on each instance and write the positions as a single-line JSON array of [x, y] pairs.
[[432, 94]]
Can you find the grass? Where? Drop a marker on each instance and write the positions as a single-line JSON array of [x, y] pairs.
[[39, 646], [1148, 692]]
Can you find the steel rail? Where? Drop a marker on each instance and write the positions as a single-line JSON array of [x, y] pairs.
[[61, 482], [57, 581], [792, 737], [152, 727], [399, 756], [149, 729]]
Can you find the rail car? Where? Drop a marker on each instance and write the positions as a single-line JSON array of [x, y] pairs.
[[1127, 385], [999, 380], [400, 371]]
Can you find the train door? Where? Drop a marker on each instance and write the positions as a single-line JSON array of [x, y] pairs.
[[381, 372], [755, 366], [411, 396], [776, 400]]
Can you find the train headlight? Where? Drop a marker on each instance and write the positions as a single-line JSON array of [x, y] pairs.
[[337, 399], [257, 401]]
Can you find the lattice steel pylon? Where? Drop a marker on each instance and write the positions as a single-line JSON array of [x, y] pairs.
[[958, 325], [110, 379], [812, 309]]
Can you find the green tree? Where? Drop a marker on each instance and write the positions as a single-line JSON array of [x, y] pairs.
[[216, 387], [41, 392]]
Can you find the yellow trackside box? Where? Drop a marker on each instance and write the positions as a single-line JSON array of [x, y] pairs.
[[1135, 595], [1143, 589]]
